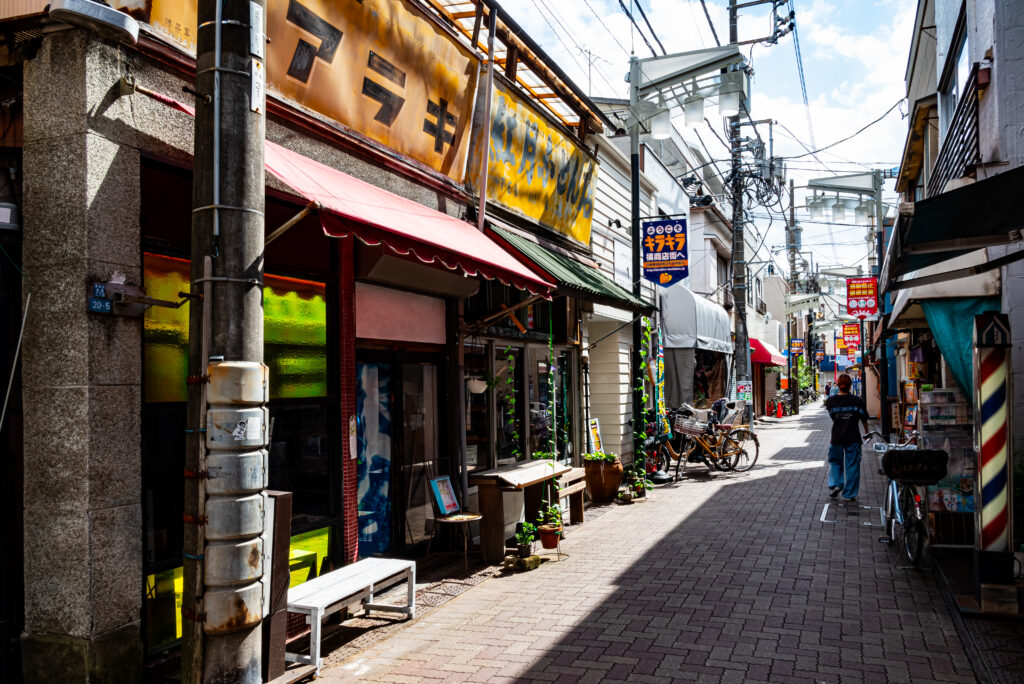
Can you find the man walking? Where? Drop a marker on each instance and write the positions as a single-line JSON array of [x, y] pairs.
[[844, 454]]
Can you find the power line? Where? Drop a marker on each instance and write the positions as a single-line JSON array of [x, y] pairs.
[[606, 28], [633, 21], [854, 135], [713, 31], [640, 6], [693, 13], [800, 70]]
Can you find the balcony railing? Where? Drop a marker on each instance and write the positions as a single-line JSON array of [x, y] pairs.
[[959, 151]]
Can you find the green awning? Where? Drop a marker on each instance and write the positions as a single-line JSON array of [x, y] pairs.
[[573, 278]]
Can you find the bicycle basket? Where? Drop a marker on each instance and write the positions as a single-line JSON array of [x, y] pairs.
[[915, 466], [686, 426]]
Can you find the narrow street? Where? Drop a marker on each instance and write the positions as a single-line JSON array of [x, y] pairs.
[[723, 577]]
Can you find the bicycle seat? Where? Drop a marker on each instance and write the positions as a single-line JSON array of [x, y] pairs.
[[724, 426]]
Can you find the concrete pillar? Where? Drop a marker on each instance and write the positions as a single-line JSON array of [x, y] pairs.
[[81, 372]]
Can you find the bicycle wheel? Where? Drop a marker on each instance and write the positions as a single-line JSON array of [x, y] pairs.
[[913, 527], [890, 513], [739, 449]]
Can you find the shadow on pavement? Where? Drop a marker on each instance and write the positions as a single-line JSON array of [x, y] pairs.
[[752, 586]]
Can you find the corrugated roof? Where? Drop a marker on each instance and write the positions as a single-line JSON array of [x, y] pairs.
[[572, 277]]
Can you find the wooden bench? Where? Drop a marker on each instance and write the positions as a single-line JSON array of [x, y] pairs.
[[572, 486], [335, 591]]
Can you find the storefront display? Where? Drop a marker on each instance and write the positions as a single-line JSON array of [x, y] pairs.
[[947, 424]]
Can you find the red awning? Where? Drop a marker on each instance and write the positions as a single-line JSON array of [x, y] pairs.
[[762, 352], [374, 215], [351, 206]]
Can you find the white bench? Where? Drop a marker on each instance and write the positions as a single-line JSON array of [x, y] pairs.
[[341, 588]]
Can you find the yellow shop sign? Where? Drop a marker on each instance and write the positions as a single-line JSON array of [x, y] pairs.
[[536, 169], [381, 67]]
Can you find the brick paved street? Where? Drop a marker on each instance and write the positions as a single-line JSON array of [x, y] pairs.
[[723, 577]]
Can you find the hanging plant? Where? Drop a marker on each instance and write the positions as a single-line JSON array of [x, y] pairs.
[[638, 468], [510, 411]]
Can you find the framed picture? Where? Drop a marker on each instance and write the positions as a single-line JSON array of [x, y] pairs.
[[444, 495], [910, 417]]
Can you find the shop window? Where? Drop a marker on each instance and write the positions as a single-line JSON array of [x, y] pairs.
[[163, 608], [307, 555], [509, 400], [551, 405], [303, 438], [165, 330], [294, 330], [478, 407]]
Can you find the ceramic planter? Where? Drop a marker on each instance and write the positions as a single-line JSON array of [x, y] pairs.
[[603, 479], [525, 550], [549, 535]]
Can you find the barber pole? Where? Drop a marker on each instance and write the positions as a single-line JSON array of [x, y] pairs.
[[994, 445], [993, 557]]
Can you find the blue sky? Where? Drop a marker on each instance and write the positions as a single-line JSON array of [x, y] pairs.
[[854, 55]]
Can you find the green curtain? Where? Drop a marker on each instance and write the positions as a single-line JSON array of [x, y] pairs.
[[952, 322]]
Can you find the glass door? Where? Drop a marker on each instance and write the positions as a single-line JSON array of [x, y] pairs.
[[419, 460], [373, 460]]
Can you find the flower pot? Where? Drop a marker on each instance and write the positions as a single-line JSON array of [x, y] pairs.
[[525, 550], [549, 535], [603, 479]]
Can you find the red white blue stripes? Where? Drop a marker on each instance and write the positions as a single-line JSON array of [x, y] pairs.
[[994, 447]]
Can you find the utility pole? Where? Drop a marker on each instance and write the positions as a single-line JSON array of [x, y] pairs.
[[794, 388], [634, 183], [741, 355], [225, 472]]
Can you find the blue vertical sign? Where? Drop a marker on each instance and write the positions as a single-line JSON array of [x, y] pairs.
[[665, 259]]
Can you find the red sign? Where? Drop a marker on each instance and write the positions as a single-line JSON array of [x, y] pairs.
[[851, 353], [851, 334], [861, 297]]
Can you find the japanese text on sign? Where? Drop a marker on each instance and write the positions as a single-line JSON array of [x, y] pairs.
[[861, 297], [665, 252], [534, 168], [382, 68], [851, 334]]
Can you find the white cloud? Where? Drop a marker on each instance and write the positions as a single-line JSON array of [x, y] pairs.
[[863, 76]]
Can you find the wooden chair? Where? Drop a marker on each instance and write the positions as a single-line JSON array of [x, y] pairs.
[[448, 511]]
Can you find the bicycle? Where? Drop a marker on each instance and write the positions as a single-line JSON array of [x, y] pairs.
[[700, 436], [907, 467]]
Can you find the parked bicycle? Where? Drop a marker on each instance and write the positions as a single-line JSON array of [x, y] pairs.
[[709, 436], [907, 467]]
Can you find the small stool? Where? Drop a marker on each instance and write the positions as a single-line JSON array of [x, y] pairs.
[[462, 520]]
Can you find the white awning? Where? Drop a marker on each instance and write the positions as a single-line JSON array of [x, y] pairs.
[[690, 321]]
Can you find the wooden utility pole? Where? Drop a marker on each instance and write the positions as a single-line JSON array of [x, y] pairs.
[[222, 599]]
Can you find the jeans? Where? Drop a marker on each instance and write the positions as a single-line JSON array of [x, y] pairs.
[[844, 460]]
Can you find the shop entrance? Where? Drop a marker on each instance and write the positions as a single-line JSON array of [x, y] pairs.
[[398, 447]]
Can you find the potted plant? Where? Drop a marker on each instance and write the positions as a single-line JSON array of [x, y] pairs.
[[550, 527], [603, 475], [524, 539]]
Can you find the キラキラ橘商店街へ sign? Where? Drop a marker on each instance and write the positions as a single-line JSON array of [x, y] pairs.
[[665, 252]]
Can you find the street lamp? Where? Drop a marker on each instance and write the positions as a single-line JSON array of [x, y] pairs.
[[663, 78], [661, 124], [729, 93], [693, 109], [838, 211]]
